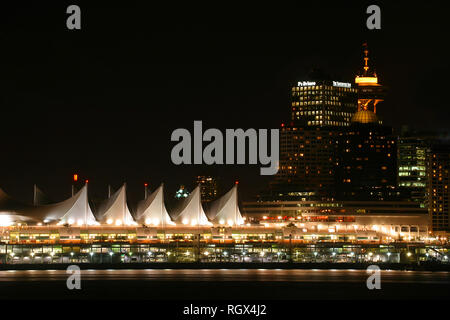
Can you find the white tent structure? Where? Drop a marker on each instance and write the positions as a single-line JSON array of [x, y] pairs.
[[225, 210], [80, 212], [152, 210], [114, 210], [75, 210], [191, 212]]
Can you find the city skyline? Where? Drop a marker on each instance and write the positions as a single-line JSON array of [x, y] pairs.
[[109, 100], [224, 160]]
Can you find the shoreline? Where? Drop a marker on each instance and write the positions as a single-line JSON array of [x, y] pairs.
[[233, 265]]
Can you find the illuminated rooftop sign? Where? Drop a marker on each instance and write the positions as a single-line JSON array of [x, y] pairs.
[[306, 83], [342, 84], [366, 80]]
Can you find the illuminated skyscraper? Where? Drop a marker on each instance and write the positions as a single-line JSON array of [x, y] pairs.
[[335, 144], [412, 173], [323, 103], [367, 152], [307, 162], [438, 167]]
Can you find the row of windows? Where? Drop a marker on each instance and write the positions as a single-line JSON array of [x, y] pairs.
[[320, 102], [323, 112], [329, 123], [323, 88], [318, 97]]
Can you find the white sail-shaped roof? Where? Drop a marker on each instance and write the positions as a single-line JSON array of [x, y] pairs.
[[115, 209], [152, 210], [225, 210], [80, 213], [191, 212], [74, 210]]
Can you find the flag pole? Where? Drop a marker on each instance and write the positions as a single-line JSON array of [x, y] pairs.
[[35, 194]]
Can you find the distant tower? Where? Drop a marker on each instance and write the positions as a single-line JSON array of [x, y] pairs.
[[208, 187], [438, 167], [370, 92], [367, 151]]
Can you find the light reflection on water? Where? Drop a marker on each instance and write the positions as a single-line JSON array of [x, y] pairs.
[[197, 275]]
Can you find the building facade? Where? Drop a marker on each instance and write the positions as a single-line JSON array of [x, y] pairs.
[[367, 161], [438, 167], [412, 173], [323, 103], [307, 161]]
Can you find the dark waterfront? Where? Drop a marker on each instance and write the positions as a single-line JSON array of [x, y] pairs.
[[204, 284]]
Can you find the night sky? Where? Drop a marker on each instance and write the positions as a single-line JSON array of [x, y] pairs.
[[103, 101]]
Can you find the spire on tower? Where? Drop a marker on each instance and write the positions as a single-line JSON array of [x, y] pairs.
[[370, 91], [366, 76], [366, 57]]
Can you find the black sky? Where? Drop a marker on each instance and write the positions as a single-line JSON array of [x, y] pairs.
[[104, 100]]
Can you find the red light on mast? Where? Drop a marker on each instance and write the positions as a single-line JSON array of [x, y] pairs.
[[145, 184], [87, 181], [236, 182], [75, 177]]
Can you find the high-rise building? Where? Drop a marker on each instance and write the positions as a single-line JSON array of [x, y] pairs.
[[367, 159], [208, 187], [323, 103], [438, 167], [335, 144], [367, 152], [412, 173], [319, 108], [307, 162]]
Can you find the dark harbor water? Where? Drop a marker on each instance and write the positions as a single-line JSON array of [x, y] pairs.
[[224, 284]]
